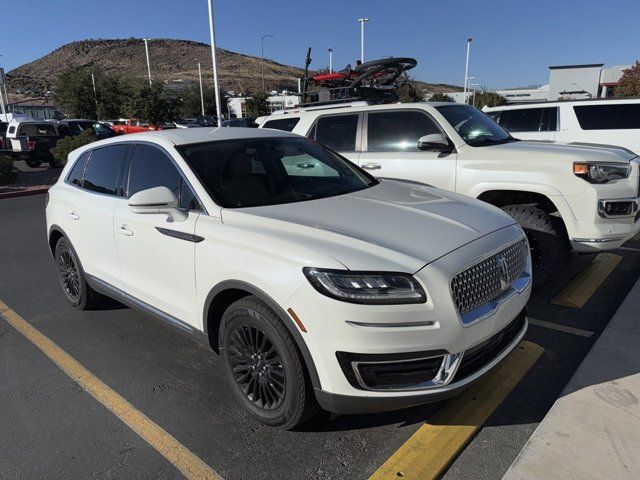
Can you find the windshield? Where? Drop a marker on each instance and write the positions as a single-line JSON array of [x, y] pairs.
[[475, 128], [267, 171]]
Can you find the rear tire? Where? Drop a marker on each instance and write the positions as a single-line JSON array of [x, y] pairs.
[[547, 239], [72, 279], [263, 365]]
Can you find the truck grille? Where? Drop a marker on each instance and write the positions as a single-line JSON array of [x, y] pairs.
[[489, 278]]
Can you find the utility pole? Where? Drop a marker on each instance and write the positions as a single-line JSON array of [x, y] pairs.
[[330, 50], [215, 65], [262, 61], [95, 93], [466, 69], [201, 91], [146, 49], [362, 22]]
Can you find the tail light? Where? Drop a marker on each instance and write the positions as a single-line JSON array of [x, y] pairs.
[[32, 145]]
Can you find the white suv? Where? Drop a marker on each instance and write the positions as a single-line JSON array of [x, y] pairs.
[[313, 279], [603, 121], [587, 197]]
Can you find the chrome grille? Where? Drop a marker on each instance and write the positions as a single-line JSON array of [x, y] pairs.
[[486, 280]]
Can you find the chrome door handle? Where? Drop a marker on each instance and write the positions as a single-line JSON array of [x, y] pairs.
[[73, 215], [124, 230], [305, 165], [371, 166]]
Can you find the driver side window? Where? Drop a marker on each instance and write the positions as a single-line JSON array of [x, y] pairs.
[[397, 131]]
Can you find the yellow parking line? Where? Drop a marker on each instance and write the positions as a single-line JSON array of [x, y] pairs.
[[428, 452], [182, 458], [585, 284]]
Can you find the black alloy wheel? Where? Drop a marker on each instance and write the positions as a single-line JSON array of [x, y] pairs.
[[257, 367]]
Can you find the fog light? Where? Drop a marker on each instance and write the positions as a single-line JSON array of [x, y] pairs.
[[613, 209]]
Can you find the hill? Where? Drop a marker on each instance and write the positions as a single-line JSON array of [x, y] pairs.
[[171, 61]]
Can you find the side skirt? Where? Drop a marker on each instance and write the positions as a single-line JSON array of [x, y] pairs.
[[110, 291]]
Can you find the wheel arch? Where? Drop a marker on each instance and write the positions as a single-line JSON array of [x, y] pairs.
[[225, 293], [55, 234]]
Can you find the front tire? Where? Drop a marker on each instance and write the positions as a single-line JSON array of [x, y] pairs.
[[547, 239], [263, 365], [72, 279]]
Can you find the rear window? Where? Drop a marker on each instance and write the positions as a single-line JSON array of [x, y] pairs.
[[75, 176], [104, 169], [336, 132], [285, 124], [37, 129], [608, 117]]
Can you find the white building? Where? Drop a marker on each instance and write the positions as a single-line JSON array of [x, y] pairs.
[[283, 101]]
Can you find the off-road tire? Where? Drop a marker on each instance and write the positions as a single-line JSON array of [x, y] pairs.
[[297, 402], [547, 239]]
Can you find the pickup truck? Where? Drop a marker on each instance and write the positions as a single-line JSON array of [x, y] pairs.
[[32, 141], [132, 126]]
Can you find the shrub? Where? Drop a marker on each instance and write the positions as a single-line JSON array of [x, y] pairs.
[[7, 175], [441, 97], [66, 145]]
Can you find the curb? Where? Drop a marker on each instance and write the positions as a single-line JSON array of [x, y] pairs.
[[590, 432], [26, 193]]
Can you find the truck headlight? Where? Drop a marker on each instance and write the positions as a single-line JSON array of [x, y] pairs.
[[601, 172], [380, 288]]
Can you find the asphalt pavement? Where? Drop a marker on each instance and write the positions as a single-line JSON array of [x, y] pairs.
[[52, 428]]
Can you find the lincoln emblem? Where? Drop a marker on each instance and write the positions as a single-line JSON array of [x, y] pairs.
[[503, 274]]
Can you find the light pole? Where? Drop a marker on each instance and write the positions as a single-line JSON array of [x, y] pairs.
[[215, 66], [466, 69], [474, 85], [95, 93], [262, 56], [3, 78], [201, 91], [146, 49], [362, 22], [330, 50]]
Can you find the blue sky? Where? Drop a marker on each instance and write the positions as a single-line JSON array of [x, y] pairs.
[[514, 41]]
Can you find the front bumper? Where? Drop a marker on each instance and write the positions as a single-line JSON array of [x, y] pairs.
[[351, 404], [399, 331]]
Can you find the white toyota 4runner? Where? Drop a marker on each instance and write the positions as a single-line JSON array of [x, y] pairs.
[[584, 194]]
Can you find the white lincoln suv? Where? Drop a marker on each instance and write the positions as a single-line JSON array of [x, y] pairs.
[[317, 283]]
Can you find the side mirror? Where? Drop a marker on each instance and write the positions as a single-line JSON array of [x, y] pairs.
[[434, 141], [157, 200]]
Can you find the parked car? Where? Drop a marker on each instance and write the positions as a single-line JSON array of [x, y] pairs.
[[247, 122], [180, 122], [207, 121], [32, 141], [601, 121], [315, 284], [582, 196], [132, 126], [73, 127], [3, 135]]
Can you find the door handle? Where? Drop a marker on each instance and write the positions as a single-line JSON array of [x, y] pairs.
[[73, 215], [305, 165], [371, 166], [125, 230]]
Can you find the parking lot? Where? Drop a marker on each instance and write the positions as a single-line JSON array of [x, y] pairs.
[[53, 427]]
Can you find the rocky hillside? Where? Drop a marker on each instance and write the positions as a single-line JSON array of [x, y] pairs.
[[171, 61]]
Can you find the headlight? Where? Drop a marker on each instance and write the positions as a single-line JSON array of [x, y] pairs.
[[601, 172], [379, 288]]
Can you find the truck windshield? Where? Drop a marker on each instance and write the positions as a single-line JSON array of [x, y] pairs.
[[475, 128], [252, 172]]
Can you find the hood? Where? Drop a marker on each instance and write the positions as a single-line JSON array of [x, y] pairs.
[[390, 226], [576, 152]]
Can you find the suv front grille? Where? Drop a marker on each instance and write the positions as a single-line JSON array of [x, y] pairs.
[[489, 278]]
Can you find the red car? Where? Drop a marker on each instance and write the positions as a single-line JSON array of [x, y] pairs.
[[132, 125]]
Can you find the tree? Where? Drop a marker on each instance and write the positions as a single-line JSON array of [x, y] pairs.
[[410, 92], [74, 93], [258, 105], [489, 99], [190, 105], [441, 97], [67, 144], [629, 84], [153, 104]]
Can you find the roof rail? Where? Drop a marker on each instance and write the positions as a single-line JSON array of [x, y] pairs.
[[302, 108]]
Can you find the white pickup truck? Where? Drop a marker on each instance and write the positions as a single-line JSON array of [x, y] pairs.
[[586, 197]]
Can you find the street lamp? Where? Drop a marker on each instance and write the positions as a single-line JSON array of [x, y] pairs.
[[201, 91], [362, 22], [212, 34], [146, 49], [474, 85], [262, 62], [466, 69], [330, 50]]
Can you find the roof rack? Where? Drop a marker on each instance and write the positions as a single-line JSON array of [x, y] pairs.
[[323, 106]]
